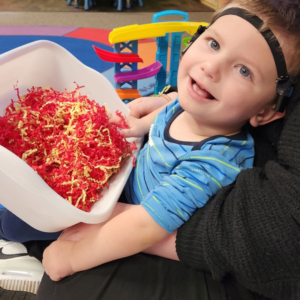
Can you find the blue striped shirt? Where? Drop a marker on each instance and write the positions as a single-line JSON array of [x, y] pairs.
[[172, 178]]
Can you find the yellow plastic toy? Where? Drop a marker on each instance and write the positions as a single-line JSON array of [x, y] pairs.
[[127, 38], [137, 32]]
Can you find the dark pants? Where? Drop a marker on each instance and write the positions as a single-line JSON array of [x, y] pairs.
[[139, 277], [14, 229]]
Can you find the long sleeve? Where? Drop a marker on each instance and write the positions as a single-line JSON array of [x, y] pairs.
[[251, 229]]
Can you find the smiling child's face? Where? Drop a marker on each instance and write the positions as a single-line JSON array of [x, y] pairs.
[[227, 76]]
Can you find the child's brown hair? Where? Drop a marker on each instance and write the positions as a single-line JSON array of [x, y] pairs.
[[282, 14]]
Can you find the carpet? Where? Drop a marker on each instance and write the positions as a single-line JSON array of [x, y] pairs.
[[12, 295], [79, 42], [102, 6]]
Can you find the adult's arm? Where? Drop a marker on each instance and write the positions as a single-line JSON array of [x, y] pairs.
[[251, 229]]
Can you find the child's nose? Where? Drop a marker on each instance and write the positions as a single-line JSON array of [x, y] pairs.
[[211, 69]]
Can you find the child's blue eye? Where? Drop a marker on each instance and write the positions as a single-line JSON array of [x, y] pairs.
[[244, 72], [214, 44]]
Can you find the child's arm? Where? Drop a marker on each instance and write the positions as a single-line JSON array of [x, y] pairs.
[[79, 231], [165, 248], [142, 113], [140, 127], [144, 106], [128, 233]]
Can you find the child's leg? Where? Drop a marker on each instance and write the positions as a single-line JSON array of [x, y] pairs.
[[14, 229]]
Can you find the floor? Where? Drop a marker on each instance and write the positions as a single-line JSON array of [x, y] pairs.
[[12, 295], [103, 6], [58, 13], [102, 20]]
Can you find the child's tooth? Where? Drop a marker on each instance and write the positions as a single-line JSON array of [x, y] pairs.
[[200, 91], [196, 88]]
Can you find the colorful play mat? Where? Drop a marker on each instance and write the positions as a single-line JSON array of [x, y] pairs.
[[79, 41]]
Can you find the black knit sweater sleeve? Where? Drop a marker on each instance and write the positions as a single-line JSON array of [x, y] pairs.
[[250, 230]]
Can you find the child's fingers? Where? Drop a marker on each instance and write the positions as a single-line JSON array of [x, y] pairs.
[[132, 132], [136, 127], [134, 102], [135, 114], [136, 108], [129, 132], [113, 118]]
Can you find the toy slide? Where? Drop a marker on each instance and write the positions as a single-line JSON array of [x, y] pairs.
[[128, 93], [117, 57], [149, 71], [137, 32]]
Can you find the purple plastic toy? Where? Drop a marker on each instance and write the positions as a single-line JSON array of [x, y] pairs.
[[147, 72]]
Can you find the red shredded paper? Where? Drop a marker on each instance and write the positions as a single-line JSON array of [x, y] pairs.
[[67, 139]]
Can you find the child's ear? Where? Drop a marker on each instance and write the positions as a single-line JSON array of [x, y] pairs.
[[265, 116]]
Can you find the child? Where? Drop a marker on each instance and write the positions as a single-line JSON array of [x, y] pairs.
[[197, 144]]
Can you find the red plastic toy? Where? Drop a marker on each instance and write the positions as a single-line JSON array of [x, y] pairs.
[[117, 57]]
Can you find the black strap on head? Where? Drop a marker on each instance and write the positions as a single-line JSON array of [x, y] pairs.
[[199, 31], [267, 34], [285, 82]]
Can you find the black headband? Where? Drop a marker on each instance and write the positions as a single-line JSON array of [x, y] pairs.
[[267, 34]]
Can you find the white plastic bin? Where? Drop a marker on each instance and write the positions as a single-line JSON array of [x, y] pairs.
[[22, 190]]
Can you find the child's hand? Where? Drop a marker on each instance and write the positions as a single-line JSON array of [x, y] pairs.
[[137, 127], [56, 260]]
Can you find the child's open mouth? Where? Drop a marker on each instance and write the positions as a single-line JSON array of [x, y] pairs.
[[201, 91]]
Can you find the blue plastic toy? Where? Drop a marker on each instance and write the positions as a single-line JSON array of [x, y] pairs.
[[162, 50]]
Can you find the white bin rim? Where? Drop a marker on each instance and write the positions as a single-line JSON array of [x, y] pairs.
[[22, 191]]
